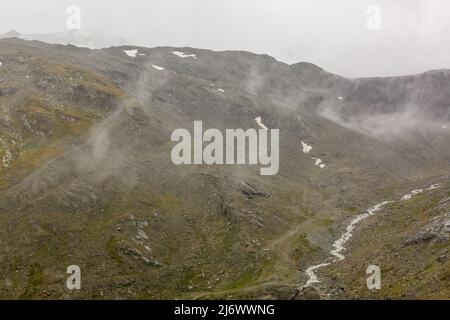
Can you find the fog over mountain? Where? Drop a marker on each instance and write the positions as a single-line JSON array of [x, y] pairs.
[[331, 34]]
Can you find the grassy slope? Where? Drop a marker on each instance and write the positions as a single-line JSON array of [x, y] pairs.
[[408, 271], [252, 250]]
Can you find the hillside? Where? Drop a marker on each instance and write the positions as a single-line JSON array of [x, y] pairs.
[[87, 179], [409, 242]]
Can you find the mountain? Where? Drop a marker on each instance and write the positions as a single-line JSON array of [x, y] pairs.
[[87, 178], [77, 37]]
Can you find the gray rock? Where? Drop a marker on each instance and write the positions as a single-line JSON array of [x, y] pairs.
[[437, 230]]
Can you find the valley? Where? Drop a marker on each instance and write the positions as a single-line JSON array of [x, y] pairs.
[[87, 179]]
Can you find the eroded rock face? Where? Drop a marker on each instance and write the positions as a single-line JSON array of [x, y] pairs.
[[38, 124], [251, 191], [437, 230]]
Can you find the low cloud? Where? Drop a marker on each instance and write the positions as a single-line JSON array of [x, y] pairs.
[[403, 124]]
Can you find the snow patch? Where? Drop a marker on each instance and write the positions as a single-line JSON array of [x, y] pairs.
[[306, 147], [318, 163], [157, 67], [221, 90], [183, 55], [131, 53], [341, 98], [260, 124]]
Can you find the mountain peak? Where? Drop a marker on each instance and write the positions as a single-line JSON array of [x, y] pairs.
[[10, 34]]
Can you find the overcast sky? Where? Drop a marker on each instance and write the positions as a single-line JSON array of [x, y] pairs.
[[413, 35]]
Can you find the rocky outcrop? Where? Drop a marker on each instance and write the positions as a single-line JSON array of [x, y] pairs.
[[251, 191], [437, 230], [136, 254]]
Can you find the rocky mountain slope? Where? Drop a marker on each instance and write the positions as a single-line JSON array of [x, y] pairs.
[[87, 179]]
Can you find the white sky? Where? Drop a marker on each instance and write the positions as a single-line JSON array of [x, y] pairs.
[[414, 34]]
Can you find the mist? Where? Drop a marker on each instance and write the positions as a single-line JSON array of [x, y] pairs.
[[403, 124], [336, 35]]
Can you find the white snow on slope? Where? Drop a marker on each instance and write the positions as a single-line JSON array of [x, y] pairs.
[[221, 90], [319, 163], [340, 98], [157, 67], [306, 147], [131, 53], [183, 55], [260, 124], [1, 63]]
